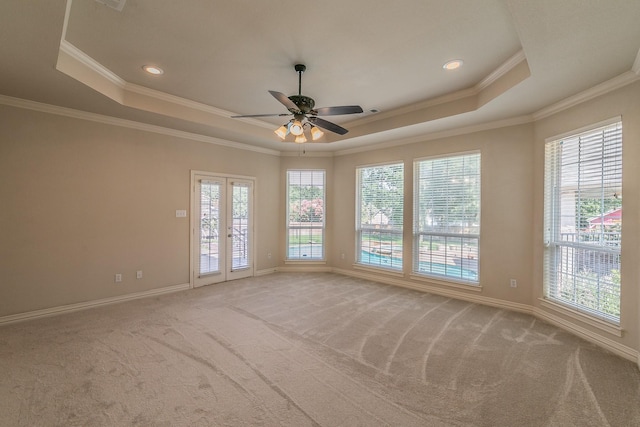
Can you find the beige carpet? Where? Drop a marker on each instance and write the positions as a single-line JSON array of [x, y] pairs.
[[307, 350]]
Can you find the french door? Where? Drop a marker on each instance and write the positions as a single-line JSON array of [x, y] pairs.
[[222, 228]]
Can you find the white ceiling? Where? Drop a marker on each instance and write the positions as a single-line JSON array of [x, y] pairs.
[[221, 57]]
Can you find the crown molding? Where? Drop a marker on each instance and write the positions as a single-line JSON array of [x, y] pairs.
[[610, 85], [430, 103], [123, 87], [476, 90], [91, 64], [183, 102], [127, 87], [514, 121], [163, 96], [65, 22], [120, 89], [503, 69], [114, 121], [290, 153], [636, 64]]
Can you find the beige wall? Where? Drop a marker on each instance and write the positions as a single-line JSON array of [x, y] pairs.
[[624, 102], [507, 180], [82, 201]]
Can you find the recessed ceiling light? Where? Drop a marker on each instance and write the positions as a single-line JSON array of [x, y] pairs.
[[453, 64], [152, 69]]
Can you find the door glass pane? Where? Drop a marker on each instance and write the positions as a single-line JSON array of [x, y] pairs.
[[209, 227], [240, 226]]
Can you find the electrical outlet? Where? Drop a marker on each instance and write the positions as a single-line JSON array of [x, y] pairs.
[[513, 283], [139, 274], [118, 278], [269, 255], [342, 256]]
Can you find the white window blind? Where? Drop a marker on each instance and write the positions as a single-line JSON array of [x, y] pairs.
[[379, 216], [583, 221], [305, 214], [447, 217]]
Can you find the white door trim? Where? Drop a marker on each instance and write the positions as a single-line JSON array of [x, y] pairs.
[[193, 223]]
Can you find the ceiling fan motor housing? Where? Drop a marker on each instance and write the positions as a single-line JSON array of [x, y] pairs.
[[302, 109], [304, 103]]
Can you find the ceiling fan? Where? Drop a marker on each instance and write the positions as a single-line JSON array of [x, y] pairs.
[[305, 116]]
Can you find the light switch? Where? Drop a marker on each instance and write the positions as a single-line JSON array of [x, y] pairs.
[[181, 213]]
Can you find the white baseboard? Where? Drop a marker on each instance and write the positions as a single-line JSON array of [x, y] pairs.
[[601, 341], [604, 342], [265, 271], [452, 293], [611, 329], [37, 314], [308, 268]]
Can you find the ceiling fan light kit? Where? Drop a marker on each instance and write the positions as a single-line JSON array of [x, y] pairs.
[[304, 115], [316, 133], [282, 131], [296, 128]]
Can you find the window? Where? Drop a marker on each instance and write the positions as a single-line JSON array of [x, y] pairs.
[[305, 214], [583, 219], [379, 216], [447, 217]]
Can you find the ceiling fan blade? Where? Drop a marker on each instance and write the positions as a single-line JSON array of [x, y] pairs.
[[335, 111], [261, 115], [284, 100], [332, 127]]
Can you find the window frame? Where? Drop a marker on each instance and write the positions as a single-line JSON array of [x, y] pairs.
[[558, 251], [384, 256], [311, 229], [466, 261]]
